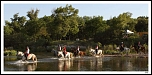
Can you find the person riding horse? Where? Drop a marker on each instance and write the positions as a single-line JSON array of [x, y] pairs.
[[64, 51], [59, 48], [122, 46], [77, 52], [27, 52], [137, 46], [96, 49]]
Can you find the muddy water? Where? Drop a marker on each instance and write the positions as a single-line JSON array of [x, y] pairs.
[[87, 63]]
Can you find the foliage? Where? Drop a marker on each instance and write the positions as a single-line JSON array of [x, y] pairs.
[[10, 52], [64, 26]]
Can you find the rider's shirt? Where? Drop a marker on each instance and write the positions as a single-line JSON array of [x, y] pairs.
[[97, 47], [28, 51], [139, 45], [64, 50]]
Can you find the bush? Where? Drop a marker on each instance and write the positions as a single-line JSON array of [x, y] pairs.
[[110, 52], [10, 53]]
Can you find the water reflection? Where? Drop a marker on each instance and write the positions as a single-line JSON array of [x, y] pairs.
[[96, 64], [65, 65], [27, 66], [80, 64]]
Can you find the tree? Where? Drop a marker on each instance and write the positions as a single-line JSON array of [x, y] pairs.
[[142, 24], [33, 15], [63, 21]]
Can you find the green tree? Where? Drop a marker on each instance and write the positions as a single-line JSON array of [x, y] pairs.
[[62, 24], [142, 24], [33, 15]]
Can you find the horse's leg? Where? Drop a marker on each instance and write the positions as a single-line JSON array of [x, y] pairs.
[[75, 54], [23, 58], [69, 55], [33, 58]]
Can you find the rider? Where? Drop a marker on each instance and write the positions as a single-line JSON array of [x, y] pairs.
[[96, 49], [59, 47], [78, 49], [139, 45], [122, 46], [64, 51], [27, 52]]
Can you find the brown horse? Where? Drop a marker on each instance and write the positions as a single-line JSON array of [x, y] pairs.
[[141, 49], [74, 51], [77, 53], [81, 53]]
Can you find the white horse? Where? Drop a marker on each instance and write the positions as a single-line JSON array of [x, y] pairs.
[[30, 56], [126, 50], [67, 55], [94, 52]]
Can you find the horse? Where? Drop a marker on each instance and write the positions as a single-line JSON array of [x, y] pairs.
[[75, 52], [67, 55], [55, 52], [140, 49], [124, 49], [94, 52], [81, 53], [30, 56], [78, 53]]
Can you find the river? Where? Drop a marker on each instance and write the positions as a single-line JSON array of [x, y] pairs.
[[87, 64]]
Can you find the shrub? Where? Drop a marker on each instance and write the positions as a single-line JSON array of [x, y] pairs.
[[10, 52]]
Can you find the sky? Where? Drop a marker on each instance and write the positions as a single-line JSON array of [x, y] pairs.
[[107, 9]]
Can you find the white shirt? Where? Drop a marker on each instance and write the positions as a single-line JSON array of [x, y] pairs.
[[97, 47], [28, 50]]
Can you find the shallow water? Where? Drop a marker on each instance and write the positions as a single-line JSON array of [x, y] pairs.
[[87, 63]]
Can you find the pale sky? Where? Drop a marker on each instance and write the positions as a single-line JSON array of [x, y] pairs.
[[107, 9]]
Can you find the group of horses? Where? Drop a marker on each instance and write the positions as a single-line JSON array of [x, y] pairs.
[[137, 49], [75, 53], [59, 54]]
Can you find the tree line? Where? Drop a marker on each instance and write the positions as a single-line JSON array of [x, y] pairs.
[[65, 24]]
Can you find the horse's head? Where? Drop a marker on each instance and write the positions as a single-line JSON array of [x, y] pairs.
[[19, 53], [91, 50]]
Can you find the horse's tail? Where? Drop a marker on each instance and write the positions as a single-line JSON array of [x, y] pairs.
[[84, 53], [34, 57], [71, 55]]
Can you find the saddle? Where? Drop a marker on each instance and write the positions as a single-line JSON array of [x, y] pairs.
[[26, 53], [65, 52]]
